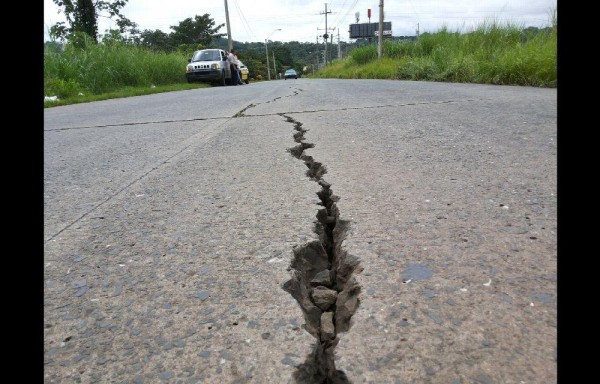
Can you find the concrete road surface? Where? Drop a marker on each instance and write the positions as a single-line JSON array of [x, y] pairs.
[[303, 231]]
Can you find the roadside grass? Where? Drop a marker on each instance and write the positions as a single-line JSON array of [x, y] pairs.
[[490, 54], [342, 69], [120, 93], [100, 68], [103, 71]]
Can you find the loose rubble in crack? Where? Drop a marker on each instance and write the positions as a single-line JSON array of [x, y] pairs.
[[322, 279]]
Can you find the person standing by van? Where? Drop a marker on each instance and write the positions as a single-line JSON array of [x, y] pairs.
[[236, 78]]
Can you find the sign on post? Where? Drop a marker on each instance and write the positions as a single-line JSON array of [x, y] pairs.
[[365, 30]]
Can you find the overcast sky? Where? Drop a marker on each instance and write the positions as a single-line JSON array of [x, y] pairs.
[[304, 20]]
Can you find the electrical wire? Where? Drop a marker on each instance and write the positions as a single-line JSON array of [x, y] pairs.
[[244, 21]]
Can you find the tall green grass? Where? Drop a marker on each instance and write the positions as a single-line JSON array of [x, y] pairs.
[[102, 68], [491, 54]]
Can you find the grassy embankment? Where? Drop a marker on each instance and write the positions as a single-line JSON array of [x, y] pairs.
[[492, 54], [106, 71]]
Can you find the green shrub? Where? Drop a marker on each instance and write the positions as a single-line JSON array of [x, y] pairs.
[[61, 88], [364, 54]]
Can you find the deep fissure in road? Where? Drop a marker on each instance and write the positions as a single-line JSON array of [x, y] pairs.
[[322, 279]]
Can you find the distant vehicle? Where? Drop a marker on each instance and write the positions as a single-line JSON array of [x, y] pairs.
[[290, 74], [244, 72], [208, 66]]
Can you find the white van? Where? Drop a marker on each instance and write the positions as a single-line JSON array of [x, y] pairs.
[[209, 66]]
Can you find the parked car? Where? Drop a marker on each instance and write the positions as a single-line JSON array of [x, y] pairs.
[[209, 66], [290, 74], [244, 72]]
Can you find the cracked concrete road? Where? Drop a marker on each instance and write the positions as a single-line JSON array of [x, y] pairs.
[[171, 220]]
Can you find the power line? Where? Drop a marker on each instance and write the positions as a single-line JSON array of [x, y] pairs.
[[325, 36], [344, 14], [243, 18], [337, 21], [415, 12]]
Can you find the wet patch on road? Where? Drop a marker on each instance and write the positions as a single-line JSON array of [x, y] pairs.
[[414, 272], [322, 281]]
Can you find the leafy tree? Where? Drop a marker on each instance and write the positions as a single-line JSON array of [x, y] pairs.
[[112, 37], [80, 40], [187, 50], [283, 55], [291, 54], [156, 40], [254, 60], [82, 16], [199, 30]]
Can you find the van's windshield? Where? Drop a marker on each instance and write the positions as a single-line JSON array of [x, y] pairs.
[[212, 55]]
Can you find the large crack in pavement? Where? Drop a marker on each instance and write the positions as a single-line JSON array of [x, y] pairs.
[[322, 271], [322, 281]]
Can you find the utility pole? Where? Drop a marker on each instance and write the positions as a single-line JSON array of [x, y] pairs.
[[325, 36], [339, 46], [417, 31], [267, 52], [380, 43], [229, 40], [326, 52], [331, 42], [317, 52], [369, 17]]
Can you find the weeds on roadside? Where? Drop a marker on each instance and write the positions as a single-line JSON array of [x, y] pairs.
[[101, 68], [490, 54]]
